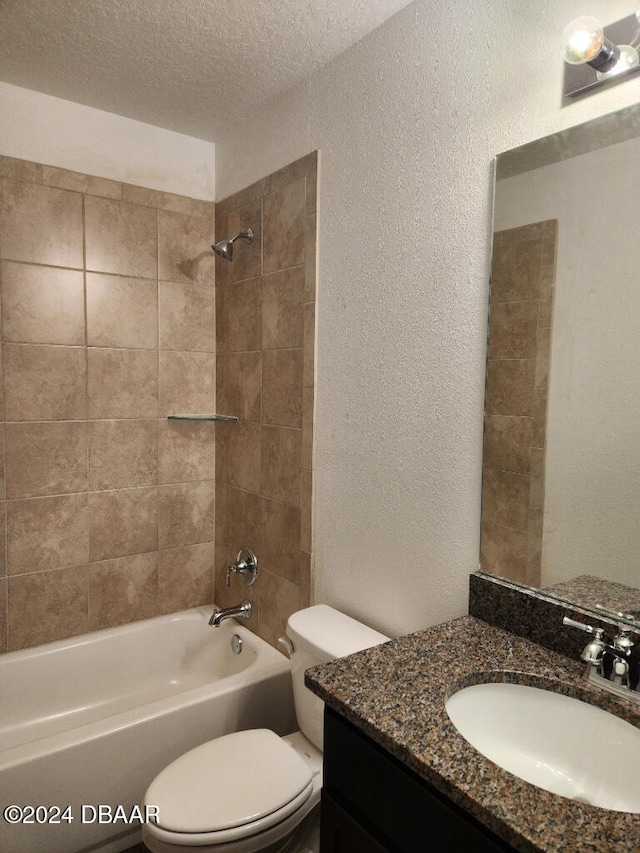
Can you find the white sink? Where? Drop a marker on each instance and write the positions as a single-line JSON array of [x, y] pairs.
[[553, 741]]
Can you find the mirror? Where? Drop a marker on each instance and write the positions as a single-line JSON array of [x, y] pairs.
[[561, 469]]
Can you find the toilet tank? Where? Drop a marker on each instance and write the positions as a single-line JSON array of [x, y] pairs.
[[320, 634]]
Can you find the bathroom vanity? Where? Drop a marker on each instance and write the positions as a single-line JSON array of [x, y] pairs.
[[396, 768]]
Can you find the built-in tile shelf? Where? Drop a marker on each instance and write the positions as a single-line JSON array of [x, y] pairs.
[[204, 417]]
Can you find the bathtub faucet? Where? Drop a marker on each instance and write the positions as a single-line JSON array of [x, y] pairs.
[[243, 610]]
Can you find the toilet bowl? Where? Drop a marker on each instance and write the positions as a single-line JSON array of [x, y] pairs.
[[248, 792]]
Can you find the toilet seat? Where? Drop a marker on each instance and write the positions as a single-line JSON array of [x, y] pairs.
[[229, 788]]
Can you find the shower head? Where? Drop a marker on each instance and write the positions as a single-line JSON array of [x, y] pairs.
[[224, 248]]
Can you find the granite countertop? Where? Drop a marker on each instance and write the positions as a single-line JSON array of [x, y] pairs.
[[395, 694]]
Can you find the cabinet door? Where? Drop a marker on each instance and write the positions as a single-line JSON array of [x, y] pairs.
[[340, 833], [399, 810]]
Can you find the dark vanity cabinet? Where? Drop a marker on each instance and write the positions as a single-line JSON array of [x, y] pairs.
[[372, 803]]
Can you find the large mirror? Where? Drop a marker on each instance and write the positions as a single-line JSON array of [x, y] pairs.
[[561, 473]]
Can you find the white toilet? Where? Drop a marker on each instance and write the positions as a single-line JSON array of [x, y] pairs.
[[249, 791]]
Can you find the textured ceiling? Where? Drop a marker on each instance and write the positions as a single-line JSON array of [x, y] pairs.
[[186, 65]]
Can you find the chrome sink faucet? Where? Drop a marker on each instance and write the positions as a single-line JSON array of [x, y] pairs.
[[596, 654]]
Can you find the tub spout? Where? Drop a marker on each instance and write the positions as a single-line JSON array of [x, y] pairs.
[[243, 610]]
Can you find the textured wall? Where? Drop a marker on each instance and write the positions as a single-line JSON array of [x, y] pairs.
[[108, 325], [408, 122]]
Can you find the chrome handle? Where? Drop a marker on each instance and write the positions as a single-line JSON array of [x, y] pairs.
[[246, 565]]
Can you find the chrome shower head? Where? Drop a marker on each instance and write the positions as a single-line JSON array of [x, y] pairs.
[[224, 248]]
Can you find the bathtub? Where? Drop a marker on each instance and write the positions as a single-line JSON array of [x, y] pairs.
[[90, 721]]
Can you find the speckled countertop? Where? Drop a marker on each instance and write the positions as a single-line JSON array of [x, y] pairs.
[[395, 694]]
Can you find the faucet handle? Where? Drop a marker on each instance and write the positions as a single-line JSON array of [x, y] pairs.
[[593, 651], [581, 626], [246, 565]]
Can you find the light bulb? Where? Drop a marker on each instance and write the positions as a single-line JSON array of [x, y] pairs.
[[583, 41]]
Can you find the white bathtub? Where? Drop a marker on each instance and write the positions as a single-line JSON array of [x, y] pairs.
[[90, 721]]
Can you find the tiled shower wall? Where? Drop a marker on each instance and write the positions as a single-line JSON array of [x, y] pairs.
[[108, 325], [522, 294], [265, 376]]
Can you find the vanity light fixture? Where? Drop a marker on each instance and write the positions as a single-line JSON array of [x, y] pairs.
[[595, 55]]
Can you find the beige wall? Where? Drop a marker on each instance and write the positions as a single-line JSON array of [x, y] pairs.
[[108, 325], [266, 377]]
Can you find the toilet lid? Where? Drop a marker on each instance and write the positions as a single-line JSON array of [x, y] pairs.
[[227, 782]]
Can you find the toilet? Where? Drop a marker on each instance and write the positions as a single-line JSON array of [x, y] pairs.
[[248, 792]]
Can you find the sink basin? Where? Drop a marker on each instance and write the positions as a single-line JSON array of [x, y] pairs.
[[556, 742]]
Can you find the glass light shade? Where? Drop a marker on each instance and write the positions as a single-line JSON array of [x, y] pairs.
[[582, 40]]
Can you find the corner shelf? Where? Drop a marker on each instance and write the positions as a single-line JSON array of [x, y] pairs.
[[206, 417]]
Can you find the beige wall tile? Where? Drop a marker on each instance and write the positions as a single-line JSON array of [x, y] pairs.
[[504, 551], [238, 454], [59, 462], [310, 258], [505, 498], [185, 577], [187, 451], [280, 471], [47, 533], [237, 525], [542, 358], [239, 316], [282, 387], [20, 170], [187, 316], [239, 385], [122, 383], [78, 182], [123, 454], [123, 590], [41, 225], [507, 442], [306, 511], [510, 387], [187, 382], [284, 214], [47, 606], [42, 305], [186, 514], [3, 540], [247, 257], [46, 459], [3, 482], [280, 539], [3, 615], [169, 201], [309, 367], [44, 382], [121, 238], [122, 522], [279, 598], [515, 271], [513, 329], [184, 251], [121, 312], [282, 299], [308, 402]]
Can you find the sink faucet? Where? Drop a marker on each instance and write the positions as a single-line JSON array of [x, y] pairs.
[[596, 654], [240, 610]]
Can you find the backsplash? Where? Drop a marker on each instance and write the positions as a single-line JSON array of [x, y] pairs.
[[108, 326], [266, 376]]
